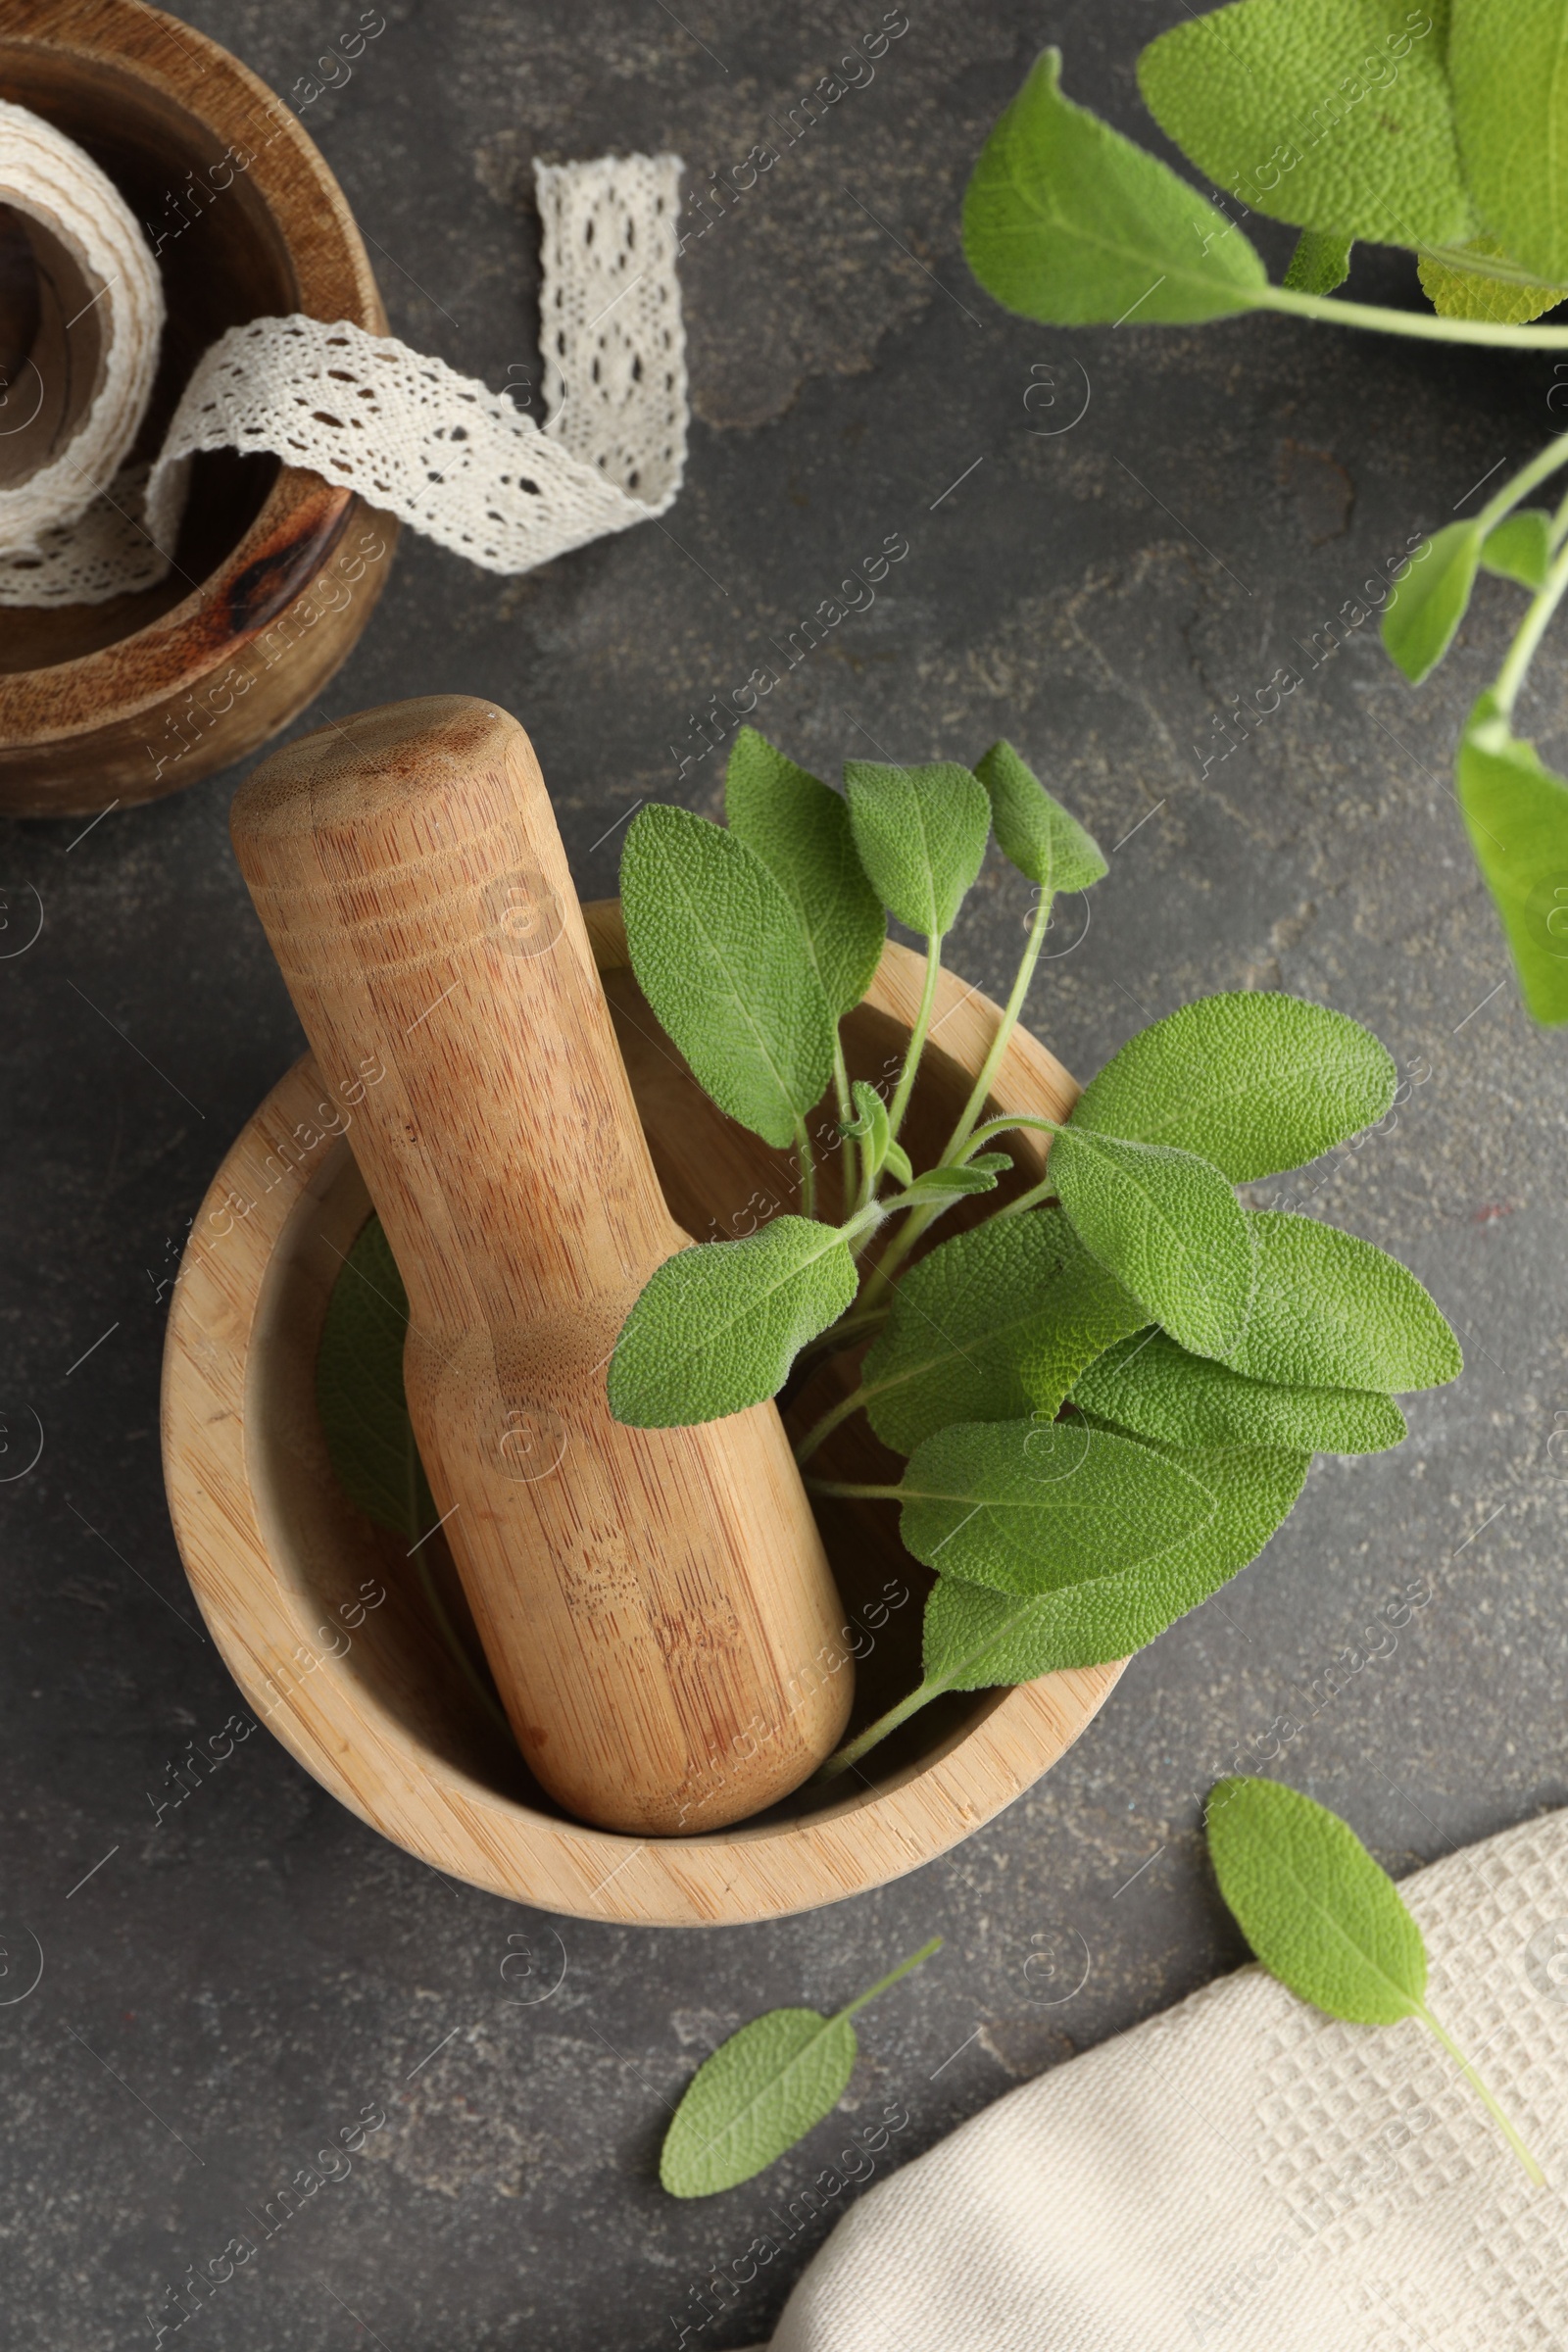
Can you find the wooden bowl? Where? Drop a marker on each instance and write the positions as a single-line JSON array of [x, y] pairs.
[[365, 1693], [275, 572]]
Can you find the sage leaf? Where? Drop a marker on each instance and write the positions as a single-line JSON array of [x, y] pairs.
[[871, 1123], [1339, 100], [978, 1175], [1519, 548], [995, 1321], [1026, 1506], [1505, 68], [1319, 1913], [1325, 1917], [1423, 615], [720, 953], [921, 833], [763, 2090], [718, 1326], [1458, 285], [1516, 812], [1332, 1312], [1167, 1225], [975, 1639], [359, 1390], [1154, 1389], [1320, 262], [1034, 831], [799, 828], [1254, 1081], [1068, 221]]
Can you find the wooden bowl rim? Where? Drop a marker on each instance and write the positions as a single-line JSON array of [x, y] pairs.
[[436, 1810], [208, 82]]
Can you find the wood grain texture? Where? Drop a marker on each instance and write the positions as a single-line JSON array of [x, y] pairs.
[[275, 572], [645, 1597], [276, 1555]]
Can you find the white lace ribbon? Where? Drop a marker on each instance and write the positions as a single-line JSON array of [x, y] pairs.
[[441, 450]]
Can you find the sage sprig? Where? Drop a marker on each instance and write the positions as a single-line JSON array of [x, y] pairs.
[[1326, 1918], [763, 2089], [1439, 129], [1107, 1393]]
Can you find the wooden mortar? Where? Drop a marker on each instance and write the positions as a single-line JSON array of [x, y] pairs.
[[275, 572], [369, 1699]]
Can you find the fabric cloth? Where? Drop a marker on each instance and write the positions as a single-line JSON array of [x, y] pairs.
[[441, 450], [1242, 2171]]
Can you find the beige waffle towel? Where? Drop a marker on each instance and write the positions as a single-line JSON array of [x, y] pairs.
[[1244, 2173]]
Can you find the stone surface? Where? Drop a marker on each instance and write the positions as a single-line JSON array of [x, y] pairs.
[[229, 1987]]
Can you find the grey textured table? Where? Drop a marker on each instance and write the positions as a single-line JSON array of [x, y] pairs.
[[223, 1988]]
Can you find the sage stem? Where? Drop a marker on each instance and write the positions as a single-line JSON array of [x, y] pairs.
[[894, 1974], [1483, 2093], [917, 1037], [831, 1420], [1522, 651], [1519, 485], [1032, 1198], [1005, 1125], [1011, 1012], [1424, 326], [874, 1733]]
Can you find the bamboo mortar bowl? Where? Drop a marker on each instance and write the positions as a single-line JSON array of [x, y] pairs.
[[275, 572], [364, 1691]]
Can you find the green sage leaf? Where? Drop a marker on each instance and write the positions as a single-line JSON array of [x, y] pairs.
[[1511, 109], [921, 833], [897, 1164], [1516, 811], [978, 1175], [718, 1326], [1320, 262], [763, 2090], [1331, 113], [975, 1639], [1154, 1389], [1253, 1081], [799, 828], [1319, 1913], [359, 1390], [995, 1321], [871, 1123], [1068, 221], [1458, 289], [1422, 616], [1326, 1918], [1034, 831], [721, 955], [1167, 1225], [759, 2092], [1519, 548], [1026, 1506], [1333, 1311]]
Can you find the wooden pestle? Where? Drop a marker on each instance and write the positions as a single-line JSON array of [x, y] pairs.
[[655, 1604]]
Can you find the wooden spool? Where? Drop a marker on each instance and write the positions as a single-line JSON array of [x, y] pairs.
[[275, 572], [369, 1699]]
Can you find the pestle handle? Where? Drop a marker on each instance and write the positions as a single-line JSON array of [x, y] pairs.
[[655, 1604]]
